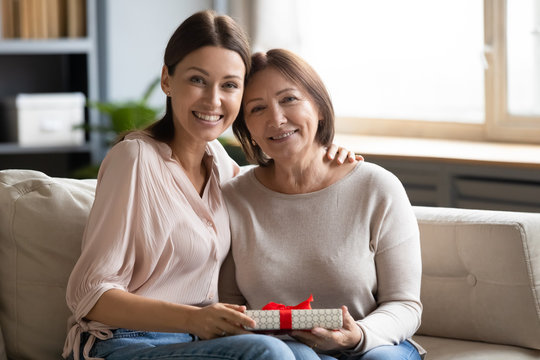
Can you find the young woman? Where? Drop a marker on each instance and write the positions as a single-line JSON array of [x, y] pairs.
[[367, 262], [145, 285]]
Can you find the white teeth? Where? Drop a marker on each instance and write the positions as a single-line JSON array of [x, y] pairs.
[[284, 135], [207, 117]]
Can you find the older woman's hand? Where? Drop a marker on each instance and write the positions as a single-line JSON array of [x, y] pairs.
[[342, 154], [345, 338]]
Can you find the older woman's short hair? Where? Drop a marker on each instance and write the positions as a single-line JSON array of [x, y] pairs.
[[296, 69]]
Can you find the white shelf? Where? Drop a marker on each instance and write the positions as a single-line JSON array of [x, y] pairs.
[[45, 46], [14, 148]]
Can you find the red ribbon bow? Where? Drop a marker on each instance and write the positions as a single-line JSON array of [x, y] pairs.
[[285, 315]]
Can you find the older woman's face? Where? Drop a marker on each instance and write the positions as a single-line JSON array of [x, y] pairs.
[[281, 116]]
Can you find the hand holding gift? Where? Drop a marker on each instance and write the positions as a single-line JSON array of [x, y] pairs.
[[278, 317], [346, 337], [219, 319]]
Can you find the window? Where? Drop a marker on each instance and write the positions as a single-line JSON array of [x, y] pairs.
[[465, 69], [523, 34]]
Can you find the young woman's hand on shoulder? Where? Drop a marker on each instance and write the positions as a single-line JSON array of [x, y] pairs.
[[341, 154]]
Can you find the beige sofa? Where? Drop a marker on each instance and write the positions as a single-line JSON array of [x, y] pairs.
[[481, 283]]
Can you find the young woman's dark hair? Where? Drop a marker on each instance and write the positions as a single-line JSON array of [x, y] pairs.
[[204, 28], [296, 69]]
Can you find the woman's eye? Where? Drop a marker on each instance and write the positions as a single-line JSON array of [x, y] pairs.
[[197, 80], [256, 109], [230, 85], [288, 99]]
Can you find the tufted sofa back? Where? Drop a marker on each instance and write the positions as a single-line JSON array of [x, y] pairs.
[[481, 275]]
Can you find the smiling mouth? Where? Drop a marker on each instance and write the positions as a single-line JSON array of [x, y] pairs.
[[206, 117], [283, 136]]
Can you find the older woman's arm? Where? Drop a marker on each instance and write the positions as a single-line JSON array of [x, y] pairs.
[[396, 245], [399, 270]]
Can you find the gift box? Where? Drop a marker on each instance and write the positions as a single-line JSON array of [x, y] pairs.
[[296, 319], [279, 317]]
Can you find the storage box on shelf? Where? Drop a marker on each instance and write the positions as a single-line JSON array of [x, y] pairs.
[[43, 119]]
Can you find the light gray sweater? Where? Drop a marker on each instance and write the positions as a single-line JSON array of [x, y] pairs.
[[354, 243]]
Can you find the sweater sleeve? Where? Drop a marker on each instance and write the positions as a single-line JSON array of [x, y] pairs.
[[395, 240], [109, 249]]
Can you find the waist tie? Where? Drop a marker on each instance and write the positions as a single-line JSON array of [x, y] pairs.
[[73, 339]]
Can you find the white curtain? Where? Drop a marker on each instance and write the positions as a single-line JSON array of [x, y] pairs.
[[270, 23]]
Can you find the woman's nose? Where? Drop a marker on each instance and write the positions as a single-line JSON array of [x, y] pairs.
[[276, 116], [212, 96]]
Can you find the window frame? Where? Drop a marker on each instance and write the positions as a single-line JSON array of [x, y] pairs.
[[500, 124]]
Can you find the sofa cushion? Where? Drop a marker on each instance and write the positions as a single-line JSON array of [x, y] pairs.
[[481, 275], [42, 220], [441, 348]]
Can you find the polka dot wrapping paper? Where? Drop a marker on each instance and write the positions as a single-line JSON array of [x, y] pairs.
[[288, 319]]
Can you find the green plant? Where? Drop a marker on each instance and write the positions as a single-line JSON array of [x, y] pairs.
[[120, 117], [234, 149], [125, 116]]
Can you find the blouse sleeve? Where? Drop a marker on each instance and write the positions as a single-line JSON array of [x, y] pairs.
[[396, 242], [109, 247], [228, 168]]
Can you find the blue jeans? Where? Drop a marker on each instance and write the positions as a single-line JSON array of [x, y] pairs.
[[403, 351], [142, 345]]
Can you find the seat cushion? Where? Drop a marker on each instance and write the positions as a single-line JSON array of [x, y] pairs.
[[446, 349], [42, 220]]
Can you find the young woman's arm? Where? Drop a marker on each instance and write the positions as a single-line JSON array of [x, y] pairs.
[[122, 309]]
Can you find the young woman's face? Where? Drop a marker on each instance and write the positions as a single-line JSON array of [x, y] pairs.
[[281, 116], [206, 93]]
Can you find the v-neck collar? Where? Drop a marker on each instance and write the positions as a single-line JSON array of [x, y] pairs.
[[200, 203]]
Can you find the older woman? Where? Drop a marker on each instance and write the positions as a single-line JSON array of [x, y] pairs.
[[289, 235]]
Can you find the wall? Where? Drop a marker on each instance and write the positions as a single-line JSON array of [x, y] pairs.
[[133, 37]]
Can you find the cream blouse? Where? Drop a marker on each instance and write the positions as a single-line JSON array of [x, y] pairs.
[[149, 233]]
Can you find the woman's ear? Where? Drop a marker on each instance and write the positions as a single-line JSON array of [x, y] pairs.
[[165, 79]]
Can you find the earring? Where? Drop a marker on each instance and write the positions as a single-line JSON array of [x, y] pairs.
[[168, 93]]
